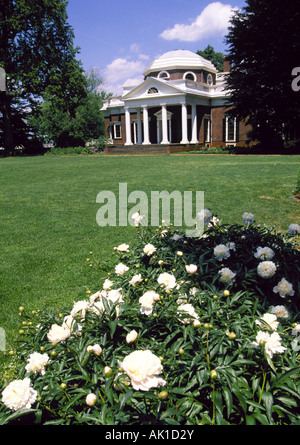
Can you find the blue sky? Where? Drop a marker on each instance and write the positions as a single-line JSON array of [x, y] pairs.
[[119, 38]]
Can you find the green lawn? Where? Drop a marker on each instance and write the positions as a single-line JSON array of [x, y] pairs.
[[48, 214]]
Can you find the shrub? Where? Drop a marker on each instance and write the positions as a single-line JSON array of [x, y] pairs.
[[184, 331]]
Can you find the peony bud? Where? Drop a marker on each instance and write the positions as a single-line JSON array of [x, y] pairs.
[[213, 374], [163, 395], [131, 336], [97, 349], [91, 399], [107, 371], [192, 268]]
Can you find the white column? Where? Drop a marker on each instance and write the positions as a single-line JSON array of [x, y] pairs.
[[139, 127], [194, 125], [128, 127], [146, 126], [164, 117], [184, 118]]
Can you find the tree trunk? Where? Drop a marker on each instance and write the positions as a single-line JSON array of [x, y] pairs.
[[7, 126]]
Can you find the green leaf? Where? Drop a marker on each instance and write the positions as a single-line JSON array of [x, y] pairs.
[[287, 374], [250, 420], [72, 401], [125, 398], [267, 398], [17, 415], [228, 400]]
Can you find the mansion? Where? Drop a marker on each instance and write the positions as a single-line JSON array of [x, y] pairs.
[[182, 101]]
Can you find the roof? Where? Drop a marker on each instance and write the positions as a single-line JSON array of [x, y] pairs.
[[179, 59]]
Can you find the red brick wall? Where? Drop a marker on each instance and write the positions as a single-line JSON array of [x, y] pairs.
[[218, 115]]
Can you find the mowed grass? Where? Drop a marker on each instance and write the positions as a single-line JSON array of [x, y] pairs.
[[48, 214]]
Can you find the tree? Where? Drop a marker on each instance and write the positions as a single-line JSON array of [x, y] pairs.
[[62, 128], [37, 54], [215, 57], [264, 47]]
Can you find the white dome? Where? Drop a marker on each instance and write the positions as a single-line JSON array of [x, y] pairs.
[[180, 59]]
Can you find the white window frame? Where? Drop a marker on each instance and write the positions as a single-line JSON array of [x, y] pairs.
[[152, 90], [188, 73], [163, 75], [115, 126], [210, 79], [227, 128], [207, 125]]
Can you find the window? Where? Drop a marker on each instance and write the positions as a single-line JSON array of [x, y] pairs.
[[230, 129], [152, 90], [190, 76], [210, 79], [163, 75], [207, 129], [117, 130]]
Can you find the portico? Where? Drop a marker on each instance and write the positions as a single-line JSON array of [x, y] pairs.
[[139, 132]]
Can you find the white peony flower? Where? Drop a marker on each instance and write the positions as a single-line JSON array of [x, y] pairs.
[[37, 363], [296, 329], [187, 309], [167, 280], [137, 219], [147, 301], [293, 229], [264, 253], [19, 395], [248, 218], [121, 268], [142, 367], [280, 311], [231, 246], [191, 268], [136, 279], [266, 269], [69, 322], [123, 248], [226, 275], [149, 249], [80, 308], [113, 295], [176, 237], [204, 216], [107, 284], [96, 296], [221, 252], [284, 288], [270, 319], [271, 343], [193, 291], [58, 333]]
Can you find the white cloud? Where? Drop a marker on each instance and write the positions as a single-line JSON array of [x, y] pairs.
[[121, 71], [213, 21]]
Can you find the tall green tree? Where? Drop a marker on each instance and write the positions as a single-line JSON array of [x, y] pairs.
[[264, 47], [215, 57], [39, 59], [62, 128]]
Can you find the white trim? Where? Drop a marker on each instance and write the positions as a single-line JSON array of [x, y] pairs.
[[160, 75], [227, 119], [193, 74]]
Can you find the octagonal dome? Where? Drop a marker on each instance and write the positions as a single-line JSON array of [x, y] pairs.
[[180, 59]]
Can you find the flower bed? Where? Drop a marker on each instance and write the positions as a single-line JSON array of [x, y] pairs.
[[184, 331]]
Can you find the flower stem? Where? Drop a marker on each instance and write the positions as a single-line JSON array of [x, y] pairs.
[[263, 387]]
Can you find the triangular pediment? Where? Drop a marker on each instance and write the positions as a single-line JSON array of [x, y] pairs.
[[151, 87]]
